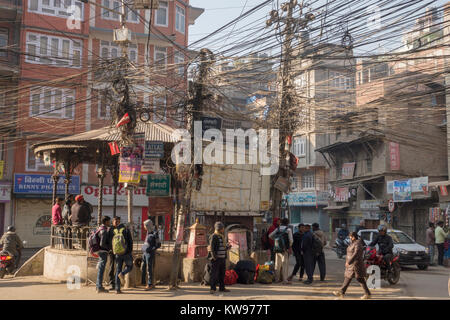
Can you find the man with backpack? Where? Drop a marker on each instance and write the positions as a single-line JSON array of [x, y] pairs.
[[111, 255], [319, 241], [122, 246], [275, 225], [99, 243], [308, 254], [152, 243], [297, 250], [283, 240]]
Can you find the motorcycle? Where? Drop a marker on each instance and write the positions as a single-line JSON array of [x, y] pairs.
[[7, 263], [371, 257], [341, 246]]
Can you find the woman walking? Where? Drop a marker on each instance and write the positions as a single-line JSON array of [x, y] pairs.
[[354, 267]]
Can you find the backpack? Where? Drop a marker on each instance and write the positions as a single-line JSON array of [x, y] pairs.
[[265, 244], [94, 240], [317, 246], [231, 277], [119, 244], [281, 241]]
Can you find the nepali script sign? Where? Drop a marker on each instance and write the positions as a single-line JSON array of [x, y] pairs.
[[42, 184], [158, 185]]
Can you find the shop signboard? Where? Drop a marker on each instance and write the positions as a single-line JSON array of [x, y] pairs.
[[307, 198], [5, 193], [160, 206], [402, 191], [348, 170], [158, 185], [42, 184], [154, 150]]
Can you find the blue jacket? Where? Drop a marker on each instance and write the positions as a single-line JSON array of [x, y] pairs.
[[150, 243], [307, 242]]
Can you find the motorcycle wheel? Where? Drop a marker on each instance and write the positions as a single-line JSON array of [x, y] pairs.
[[394, 276], [2, 273]]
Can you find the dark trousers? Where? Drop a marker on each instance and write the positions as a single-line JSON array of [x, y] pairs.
[[440, 247], [102, 258], [362, 281], [299, 264], [120, 260], [320, 260], [387, 260], [308, 257], [218, 274], [148, 264], [272, 254], [112, 273]]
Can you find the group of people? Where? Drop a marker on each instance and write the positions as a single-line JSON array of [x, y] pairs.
[[75, 212], [435, 237], [116, 243], [306, 245]]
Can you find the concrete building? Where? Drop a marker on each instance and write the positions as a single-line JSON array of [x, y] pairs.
[[59, 95], [325, 87]]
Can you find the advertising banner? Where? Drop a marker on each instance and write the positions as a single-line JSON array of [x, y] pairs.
[[131, 160], [341, 194], [348, 170], [402, 191], [394, 155], [154, 150]]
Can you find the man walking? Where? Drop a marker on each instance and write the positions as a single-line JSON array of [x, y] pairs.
[[319, 258], [283, 241], [308, 255], [430, 239], [149, 253], [122, 245], [105, 247], [297, 250], [111, 255], [218, 256], [440, 236]]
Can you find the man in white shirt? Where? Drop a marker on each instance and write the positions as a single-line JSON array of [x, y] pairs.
[[283, 239]]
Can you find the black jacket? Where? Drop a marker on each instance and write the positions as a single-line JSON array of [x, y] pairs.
[[297, 245], [81, 213], [127, 236], [216, 251], [385, 243], [307, 243], [105, 241]]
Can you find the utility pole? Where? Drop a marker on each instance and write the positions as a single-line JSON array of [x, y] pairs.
[[287, 113], [196, 106]]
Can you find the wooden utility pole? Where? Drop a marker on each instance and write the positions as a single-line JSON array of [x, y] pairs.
[[196, 106], [287, 113]]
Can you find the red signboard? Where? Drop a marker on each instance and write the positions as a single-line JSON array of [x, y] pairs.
[[394, 155], [341, 194], [348, 170], [160, 206]]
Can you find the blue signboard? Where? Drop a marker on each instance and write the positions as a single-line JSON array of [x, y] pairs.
[[42, 184], [307, 199], [154, 150]]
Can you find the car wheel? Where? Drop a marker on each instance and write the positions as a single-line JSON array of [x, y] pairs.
[[422, 266]]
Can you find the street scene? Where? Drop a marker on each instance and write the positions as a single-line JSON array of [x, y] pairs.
[[239, 150]]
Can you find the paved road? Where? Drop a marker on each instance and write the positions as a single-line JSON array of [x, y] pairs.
[[414, 284]]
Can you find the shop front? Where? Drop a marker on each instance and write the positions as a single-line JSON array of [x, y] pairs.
[[308, 207], [5, 206], [33, 205]]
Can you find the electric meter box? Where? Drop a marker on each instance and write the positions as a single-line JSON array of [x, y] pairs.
[[122, 35], [146, 4]]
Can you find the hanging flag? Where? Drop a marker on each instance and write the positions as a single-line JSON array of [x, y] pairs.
[[114, 147], [444, 191], [125, 119]]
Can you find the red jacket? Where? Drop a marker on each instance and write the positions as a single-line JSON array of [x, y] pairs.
[[57, 215], [271, 229]]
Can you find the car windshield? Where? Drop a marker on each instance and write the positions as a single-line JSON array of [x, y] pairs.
[[400, 237]]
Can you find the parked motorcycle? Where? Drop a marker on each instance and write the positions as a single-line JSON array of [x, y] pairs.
[[341, 247], [371, 257], [7, 263]]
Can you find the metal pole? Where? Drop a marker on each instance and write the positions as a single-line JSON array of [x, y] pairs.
[[101, 177]]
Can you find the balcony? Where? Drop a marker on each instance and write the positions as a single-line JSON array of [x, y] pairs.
[[10, 10]]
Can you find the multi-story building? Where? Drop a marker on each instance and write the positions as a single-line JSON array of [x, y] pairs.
[[325, 88], [59, 93], [10, 23], [398, 121]]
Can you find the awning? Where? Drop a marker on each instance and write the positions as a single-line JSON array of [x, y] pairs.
[[336, 207], [438, 183]]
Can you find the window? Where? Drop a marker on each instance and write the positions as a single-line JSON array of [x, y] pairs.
[[179, 63], [130, 14], [159, 109], [295, 184], [180, 23], [44, 49], [160, 58], [299, 147], [308, 180], [33, 163], [58, 8], [133, 53], [3, 42], [162, 14], [104, 108], [50, 102]]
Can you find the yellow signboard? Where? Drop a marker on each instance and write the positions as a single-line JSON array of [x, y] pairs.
[[2, 167]]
